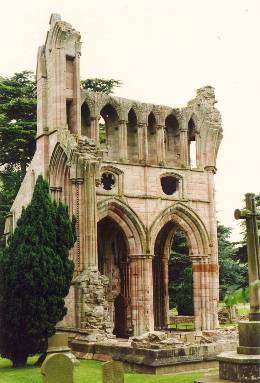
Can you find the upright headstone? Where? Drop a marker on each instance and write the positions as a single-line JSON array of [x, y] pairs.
[[113, 372], [57, 368]]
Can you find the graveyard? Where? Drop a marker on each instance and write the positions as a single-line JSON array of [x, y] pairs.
[[88, 371]]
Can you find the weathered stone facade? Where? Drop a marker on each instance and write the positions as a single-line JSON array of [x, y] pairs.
[[128, 193]]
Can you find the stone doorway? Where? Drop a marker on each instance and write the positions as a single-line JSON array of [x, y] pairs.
[[162, 277], [113, 263]]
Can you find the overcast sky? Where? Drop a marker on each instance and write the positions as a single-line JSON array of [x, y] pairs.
[[162, 51]]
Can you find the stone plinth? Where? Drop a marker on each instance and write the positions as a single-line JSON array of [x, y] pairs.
[[239, 367], [155, 361], [58, 343], [249, 338]]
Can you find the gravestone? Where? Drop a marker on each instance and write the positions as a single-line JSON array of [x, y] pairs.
[[57, 368], [113, 372]]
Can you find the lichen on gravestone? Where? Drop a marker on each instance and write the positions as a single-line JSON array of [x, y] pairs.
[[57, 368]]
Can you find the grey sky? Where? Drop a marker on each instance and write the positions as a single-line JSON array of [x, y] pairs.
[[163, 51]]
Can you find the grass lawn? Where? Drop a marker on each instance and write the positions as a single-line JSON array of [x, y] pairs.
[[88, 371]]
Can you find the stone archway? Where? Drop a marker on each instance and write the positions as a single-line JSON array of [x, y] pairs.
[[205, 289], [113, 262], [138, 267]]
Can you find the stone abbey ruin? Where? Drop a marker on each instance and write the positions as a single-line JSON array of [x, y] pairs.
[[129, 193]]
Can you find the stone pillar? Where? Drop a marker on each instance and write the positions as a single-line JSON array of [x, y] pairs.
[[77, 211], [202, 291], [141, 142], [198, 151], [122, 132], [197, 293], [94, 129], [214, 296], [165, 292], [55, 193], [160, 144], [141, 288], [184, 149], [76, 103], [90, 253]]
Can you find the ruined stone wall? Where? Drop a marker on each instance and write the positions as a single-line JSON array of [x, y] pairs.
[[141, 176]]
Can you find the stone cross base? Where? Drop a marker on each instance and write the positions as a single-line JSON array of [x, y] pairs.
[[234, 367], [239, 367]]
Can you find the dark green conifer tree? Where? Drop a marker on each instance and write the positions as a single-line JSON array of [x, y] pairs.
[[36, 274]]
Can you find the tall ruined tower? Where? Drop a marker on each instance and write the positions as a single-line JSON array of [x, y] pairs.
[[131, 173]]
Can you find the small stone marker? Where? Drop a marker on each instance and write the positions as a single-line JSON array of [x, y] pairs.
[[113, 372], [57, 368]]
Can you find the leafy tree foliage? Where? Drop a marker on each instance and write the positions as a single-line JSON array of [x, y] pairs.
[[17, 120], [101, 85], [10, 181], [35, 276], [232, 272], [241, 253], [180, 275]]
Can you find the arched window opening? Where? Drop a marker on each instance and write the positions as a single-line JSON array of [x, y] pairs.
[[69, 115], [180, 285], [192, 146], [172, 141], [132, 136], [102, 131], [108, 181], [109, 131], [169, 184], [151, 138], [172, 278], [85, 120], [112, 262]]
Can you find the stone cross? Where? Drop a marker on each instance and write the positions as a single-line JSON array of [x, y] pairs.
[[113, 372], [57, 368], [251, 216]]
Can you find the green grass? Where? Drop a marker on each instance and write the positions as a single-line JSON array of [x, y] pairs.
[[243, 309], [89, 371]]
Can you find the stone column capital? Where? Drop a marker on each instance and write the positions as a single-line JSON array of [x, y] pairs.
[[77, 181], [142, 124], [211, 168], [135, 257]]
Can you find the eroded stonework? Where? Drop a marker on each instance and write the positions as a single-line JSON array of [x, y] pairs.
[[131, 173]]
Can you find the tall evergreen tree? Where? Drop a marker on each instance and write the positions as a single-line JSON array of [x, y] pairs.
[[36, 274], [180, 275], [232, 273]]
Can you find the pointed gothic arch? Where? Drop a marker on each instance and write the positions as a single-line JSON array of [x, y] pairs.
[[127, 220]]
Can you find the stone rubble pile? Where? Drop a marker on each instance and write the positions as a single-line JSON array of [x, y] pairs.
[[161, 340]]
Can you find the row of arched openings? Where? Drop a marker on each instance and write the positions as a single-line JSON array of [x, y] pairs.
[[172, 275], [109, 136]]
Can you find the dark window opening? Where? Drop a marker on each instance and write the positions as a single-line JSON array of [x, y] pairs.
[[69, 114], [169, 184], [108, 181]]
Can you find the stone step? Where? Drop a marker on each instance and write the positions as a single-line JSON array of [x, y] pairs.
[[210, 378]]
